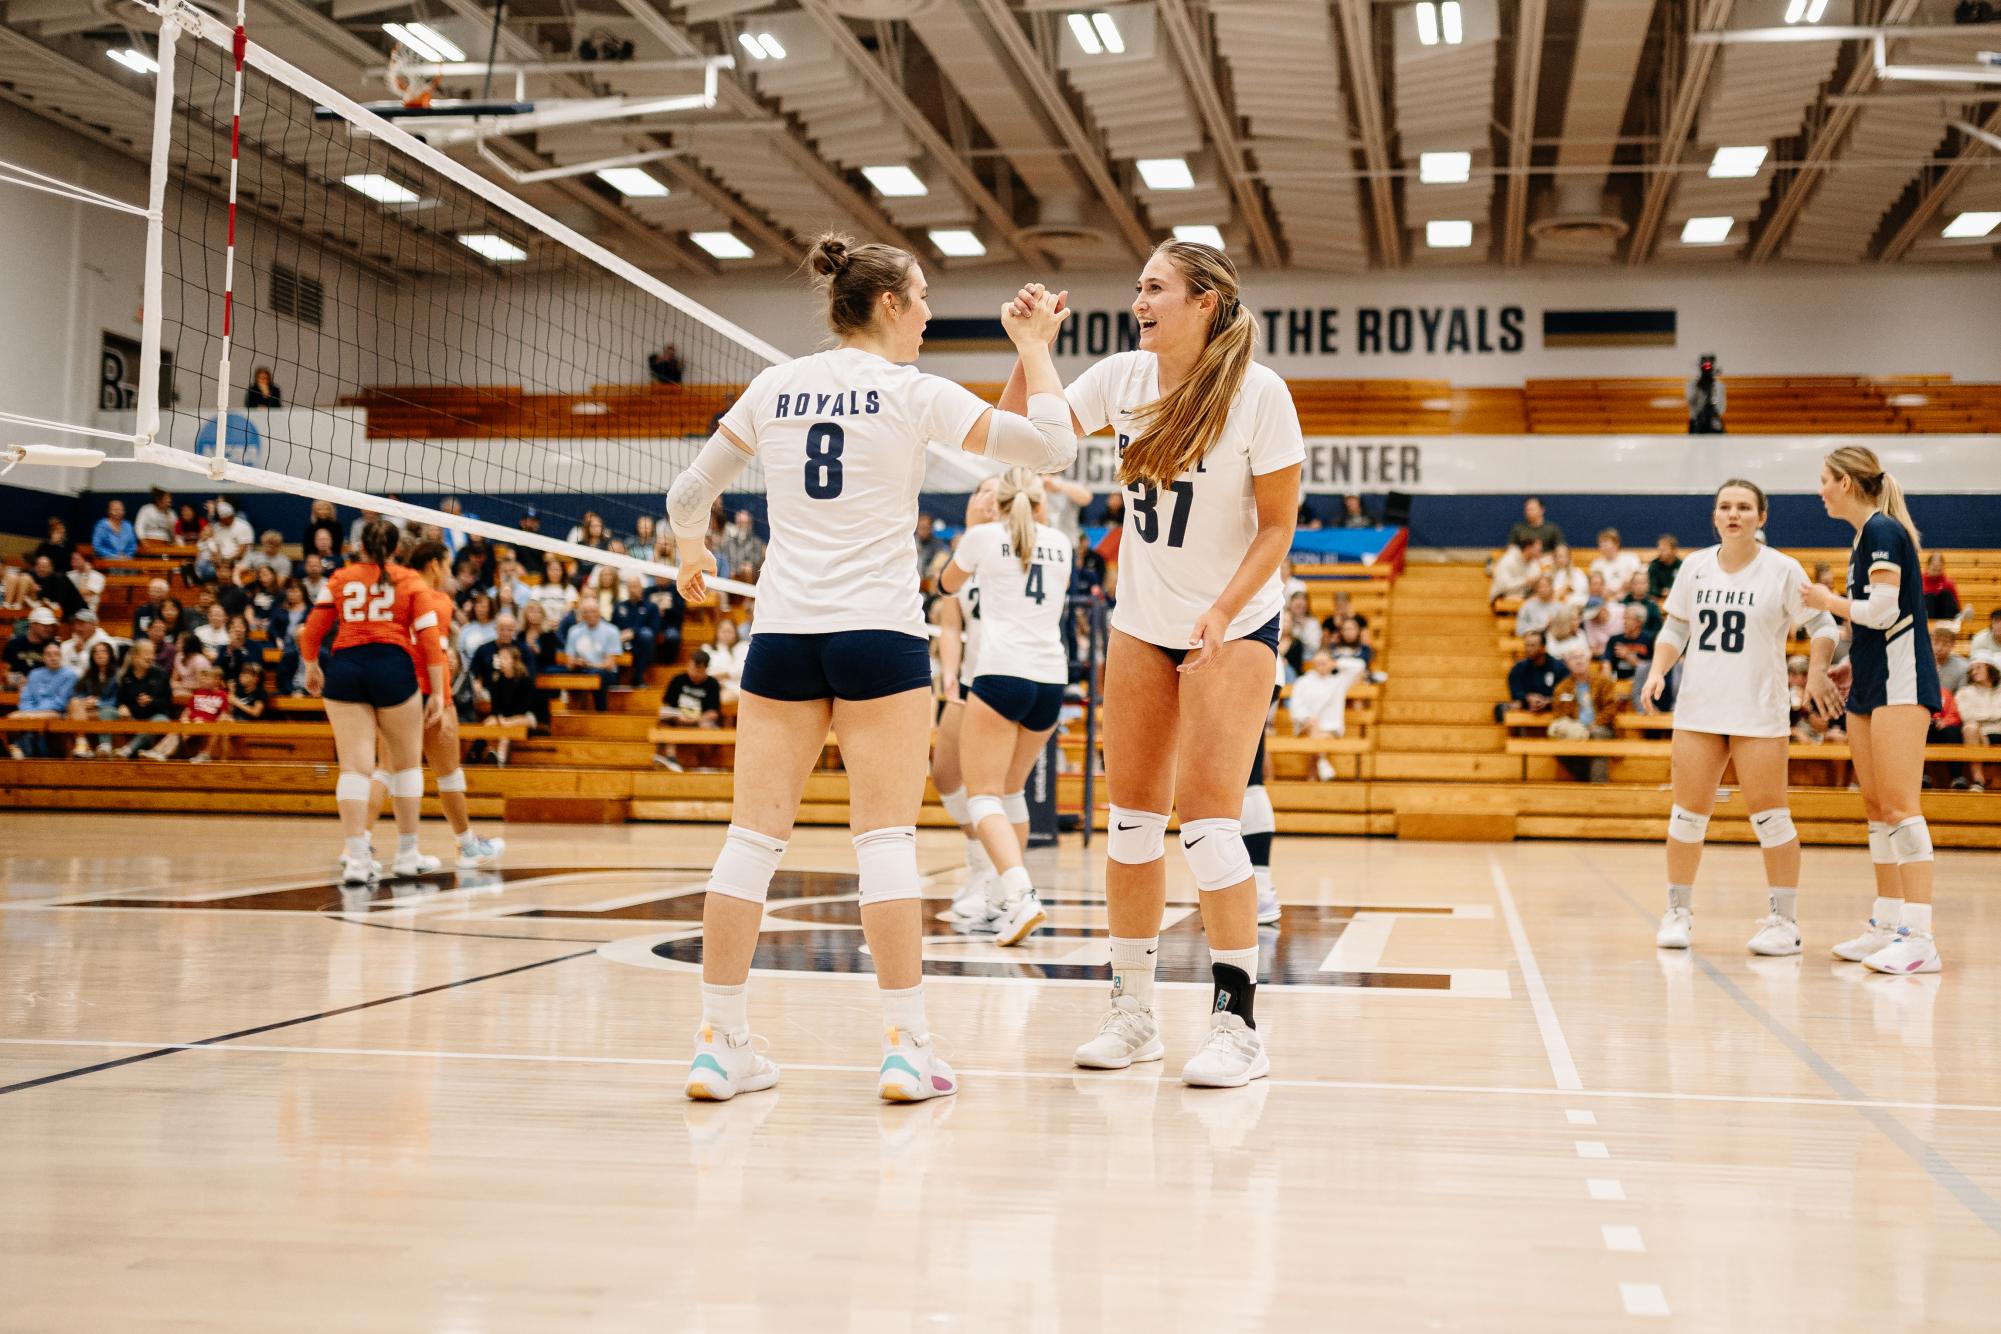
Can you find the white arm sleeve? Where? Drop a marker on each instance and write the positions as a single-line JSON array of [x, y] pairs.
[[696, 489], [1820, 625], [1878, 611], [1674, 631], [1042, 440]]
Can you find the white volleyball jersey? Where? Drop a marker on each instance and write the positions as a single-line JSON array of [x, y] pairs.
[[1182, 545], [841, 435], [1021, 610], [969, 616], [1733, 682]]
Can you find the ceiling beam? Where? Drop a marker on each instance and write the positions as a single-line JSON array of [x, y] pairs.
[[715, 196], [1365, 85], [889, 88], [1933, 199], [1198, 70], [1529, 21], [1823, 146], [1700, 59], [1085, 152]]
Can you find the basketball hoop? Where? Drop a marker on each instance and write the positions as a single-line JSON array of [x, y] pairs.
[[405, 86]]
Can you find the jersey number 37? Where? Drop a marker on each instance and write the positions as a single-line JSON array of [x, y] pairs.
[[366, 602]]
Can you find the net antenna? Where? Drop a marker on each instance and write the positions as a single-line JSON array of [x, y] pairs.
[[436, 336]]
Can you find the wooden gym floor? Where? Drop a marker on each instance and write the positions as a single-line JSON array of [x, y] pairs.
[[228, 1103]]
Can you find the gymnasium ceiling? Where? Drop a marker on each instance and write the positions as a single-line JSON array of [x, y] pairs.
[[1590, 127]]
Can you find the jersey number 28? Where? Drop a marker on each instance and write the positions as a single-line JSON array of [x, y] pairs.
[[824, 444], [1732, 625]]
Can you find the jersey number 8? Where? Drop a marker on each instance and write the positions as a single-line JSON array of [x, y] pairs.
[[1732, 625], [358, 605], [823, 460]]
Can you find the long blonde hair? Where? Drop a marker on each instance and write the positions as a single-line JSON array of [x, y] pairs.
[[1180, 427], [1875, 486], [1020, 491]]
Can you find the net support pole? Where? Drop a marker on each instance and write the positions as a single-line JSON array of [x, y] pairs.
[[152, 316]]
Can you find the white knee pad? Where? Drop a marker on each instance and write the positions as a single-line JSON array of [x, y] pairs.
[[887, 860], [1135, 838], [980, 807], [1258, 817], [1880, 851], [1015, 804], [1774, 827], [1911, 840], [745, 865], [1216, 852], [406, 783], [455, 781], [352, 787], [955, 805], [1685, 826], [380, 776]]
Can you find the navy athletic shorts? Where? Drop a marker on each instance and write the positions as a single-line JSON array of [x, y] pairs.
[[1266, 634], [1034, 705], [846, 664], [381, 675]]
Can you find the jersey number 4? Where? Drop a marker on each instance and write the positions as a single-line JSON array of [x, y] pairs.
[[824, 444], [1146, 512], [1731, 623], [1033, 588], [366, 602]]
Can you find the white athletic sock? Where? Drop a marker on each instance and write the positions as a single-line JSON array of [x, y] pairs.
[[1244, 960], [405, 843], [358, 848], [725, 1009], [468, 838], [1262, 874], [1015, 883], [1785, 902], [905, 1010], [1918, 917], [1133, 961], [1888, 912], [1681, 896], [977, 861]]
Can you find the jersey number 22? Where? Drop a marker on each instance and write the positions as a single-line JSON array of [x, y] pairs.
[[366, 602]]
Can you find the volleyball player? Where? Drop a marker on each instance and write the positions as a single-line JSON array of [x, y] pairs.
[[958, 620], [432, 564], [1210, 451], [379, 640], [1260, 821], [1891, 697], [839, 630], [1022, 566], [1730, 611]]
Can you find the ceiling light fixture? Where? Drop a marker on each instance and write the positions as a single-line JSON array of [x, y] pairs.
[[1166, 173], [1738, 162], [958, 243], [1444, 168], [382, 189], [426, 41], [1811, 11], [496, 248], [721, 245], [771, 46], [1200, 234], [1706, 231], [761, 45], [1971, 226], [1086, 35], [1108, 33], [633, 183], [135, 60], [895, 182], [1448, 234], [1449, 23], [1427, 23], [1440, 19]]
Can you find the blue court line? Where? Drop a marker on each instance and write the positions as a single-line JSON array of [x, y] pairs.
[[1941, 1169]]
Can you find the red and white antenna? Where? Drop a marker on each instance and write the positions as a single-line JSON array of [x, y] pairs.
[[237, 46]]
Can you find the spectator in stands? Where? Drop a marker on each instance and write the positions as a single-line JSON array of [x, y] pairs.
[[172, 621], [55, 544], [1354, 515], [263, 392], [1308, 519], [1517, 570], [142, 616], [97, 683], [145, 694], [726, 658], [26, 585], [673, 609], [353, 543], [506, 635], [1562, 634], [189, 664], [1952, 668], [1947, 729], [1989, 640], [227, 539], [323, 519], [45, 694], [510, 590], [931, 548], [743, 548], [1807, 725], [531, 557], [482, 555], [268, 555], [54, 591], [591, 532], [113, 537], [1532, 681], [1823, 574], [1569, 583], [86, 578], [479, 628], [1344, 610], [638, 624], [1636, 596], [1584, 704], [155, 520], [1615, 566], [84, 634], [324, 548], [248, 697], [1534, 523], [538, 637], [214, 631], [1108, 511], [1536, 609], [35, 632], [236, 650], [289, 615], [188, 525], [1979, 703], [1628, 652], [1661, 569], [693, 699], [208, 701], [1299, 633], [1941, 594], [645, 533], [665, 365], [1350, 645], [1318, 702], [593, 645], [514, 697], [1705, 399], [267, 598]]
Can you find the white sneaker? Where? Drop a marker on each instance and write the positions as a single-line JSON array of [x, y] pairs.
[[1268, 909], [414, 863], [1129, 1033], [82, 750], [359, 870], [1777, 936], [1866, 944], [1911, 952], [1017, 921], [912, 1070], [104, 750], [1323, 770], [1677, 930], [1232, 1057], [726, 1064], [970, 904], [480, 852]]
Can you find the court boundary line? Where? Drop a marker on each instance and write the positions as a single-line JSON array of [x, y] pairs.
[[1554, 1045]]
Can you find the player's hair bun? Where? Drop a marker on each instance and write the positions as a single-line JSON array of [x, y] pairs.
[[831, 255]]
